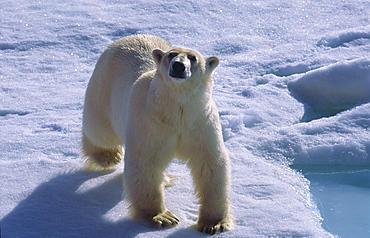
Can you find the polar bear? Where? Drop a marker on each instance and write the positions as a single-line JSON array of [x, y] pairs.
[[157, 101]]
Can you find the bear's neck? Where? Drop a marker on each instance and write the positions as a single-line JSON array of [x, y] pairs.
[[182, 93], [174, 104]]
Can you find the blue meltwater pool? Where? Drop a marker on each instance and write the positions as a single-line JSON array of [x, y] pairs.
[[343, 199]]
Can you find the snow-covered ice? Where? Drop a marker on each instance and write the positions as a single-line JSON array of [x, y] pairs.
[[335, 88], [292, 90]]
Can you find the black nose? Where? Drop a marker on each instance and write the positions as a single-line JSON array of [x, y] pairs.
[[178, 67]]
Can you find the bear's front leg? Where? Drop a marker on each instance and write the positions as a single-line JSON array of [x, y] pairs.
[[144, 184], [209, 164], [211, 181]]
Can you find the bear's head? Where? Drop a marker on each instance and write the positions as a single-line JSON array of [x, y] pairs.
[[184, 66]]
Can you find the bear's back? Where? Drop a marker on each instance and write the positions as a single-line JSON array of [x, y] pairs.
[[142, 45]]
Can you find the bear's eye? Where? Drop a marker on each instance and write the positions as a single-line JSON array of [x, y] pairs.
[[192, 58], [172, 55]]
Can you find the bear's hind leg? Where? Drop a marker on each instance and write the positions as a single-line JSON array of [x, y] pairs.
[[99, 158]]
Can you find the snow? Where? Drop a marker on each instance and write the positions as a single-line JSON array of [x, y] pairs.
[[292, 90], [334, 88]]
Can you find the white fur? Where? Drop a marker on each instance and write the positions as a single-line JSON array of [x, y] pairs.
[[132, 99]]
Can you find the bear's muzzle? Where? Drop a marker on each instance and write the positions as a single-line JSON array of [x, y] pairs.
[[179, 70]]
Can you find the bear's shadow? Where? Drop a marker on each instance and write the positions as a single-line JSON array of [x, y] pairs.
[[56, 209]]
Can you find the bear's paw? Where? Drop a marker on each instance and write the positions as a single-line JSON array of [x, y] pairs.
[[162, 220], [215, 228], [103, 160], [165, 219]]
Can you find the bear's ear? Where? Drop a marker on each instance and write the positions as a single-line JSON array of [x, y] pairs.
[[212, 63], [157, 55]]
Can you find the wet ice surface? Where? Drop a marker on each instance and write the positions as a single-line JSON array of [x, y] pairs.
[[343, 199]]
